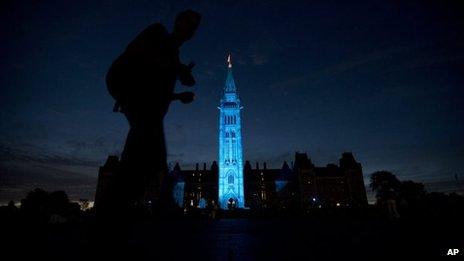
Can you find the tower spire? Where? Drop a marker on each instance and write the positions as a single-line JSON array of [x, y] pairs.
[[229, 61], [230, 83]]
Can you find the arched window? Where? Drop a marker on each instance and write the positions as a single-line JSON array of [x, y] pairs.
[[232, 134], [227, 135], [231, 179], [235, 121]]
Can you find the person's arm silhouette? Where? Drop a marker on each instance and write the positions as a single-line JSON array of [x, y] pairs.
[[185, 74], [184, 97]]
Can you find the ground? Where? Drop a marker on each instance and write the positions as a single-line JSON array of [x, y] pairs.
[[295, 238]]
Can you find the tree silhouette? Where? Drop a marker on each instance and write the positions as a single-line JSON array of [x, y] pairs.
[[35, 205], [39, 206], [412, 192], [385, 185], [58, 203]]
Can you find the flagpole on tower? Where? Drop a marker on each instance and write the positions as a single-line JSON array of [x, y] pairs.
[[229, 61]]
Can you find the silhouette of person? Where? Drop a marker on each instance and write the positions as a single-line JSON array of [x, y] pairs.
[[142, 81]]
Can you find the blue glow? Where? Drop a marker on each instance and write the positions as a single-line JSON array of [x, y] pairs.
[[202, 203], [280, 185], [179, 193], [230, 146]]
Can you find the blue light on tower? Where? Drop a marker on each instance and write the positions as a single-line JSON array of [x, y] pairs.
[[230, 146]]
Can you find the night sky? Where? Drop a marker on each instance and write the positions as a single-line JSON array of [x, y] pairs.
[[383, 79]]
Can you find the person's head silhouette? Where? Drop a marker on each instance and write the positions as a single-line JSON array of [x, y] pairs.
[[185, 26]]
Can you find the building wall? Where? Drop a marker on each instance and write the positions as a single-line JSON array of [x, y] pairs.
[[302, 188], [332, 186]]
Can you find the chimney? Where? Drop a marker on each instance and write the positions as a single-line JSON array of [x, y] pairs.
[[257, 165], [264, 166], [204, 166], [196, 166]]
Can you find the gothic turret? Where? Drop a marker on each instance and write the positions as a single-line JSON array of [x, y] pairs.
[[231, 193]]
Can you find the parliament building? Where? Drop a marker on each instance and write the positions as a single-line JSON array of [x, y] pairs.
[[231, 183]]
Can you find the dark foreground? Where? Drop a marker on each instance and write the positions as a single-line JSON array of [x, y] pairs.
[[289, 238]]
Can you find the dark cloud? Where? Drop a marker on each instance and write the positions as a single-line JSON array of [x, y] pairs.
[[259, 59], [22, 170], [8, 154], [18, 178], [98, 144], [339, 68]]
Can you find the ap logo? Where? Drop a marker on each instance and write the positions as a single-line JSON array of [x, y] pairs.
[[452, 252]]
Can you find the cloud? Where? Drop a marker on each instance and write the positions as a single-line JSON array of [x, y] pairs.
[[258, 59], [428, 61], [95, 149], [27, 167], [18, 178], [338, 68], [9, 154], [399, 59], [98, 143]]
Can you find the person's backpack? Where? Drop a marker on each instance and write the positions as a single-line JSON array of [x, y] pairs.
[[117, 78], [114, 85]]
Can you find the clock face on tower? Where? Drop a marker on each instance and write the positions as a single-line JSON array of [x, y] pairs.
[[231, 193]]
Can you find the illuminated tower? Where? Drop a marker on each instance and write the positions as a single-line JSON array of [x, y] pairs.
[[230, 146]]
